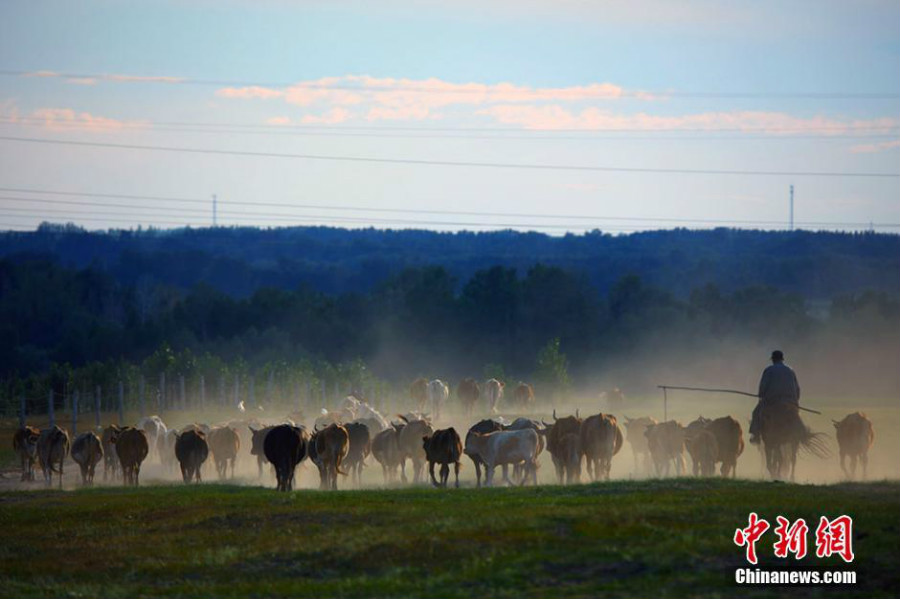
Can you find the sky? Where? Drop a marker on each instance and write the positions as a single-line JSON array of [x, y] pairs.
[[560, 116]]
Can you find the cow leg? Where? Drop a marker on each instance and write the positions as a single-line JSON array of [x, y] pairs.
[[456, 467], [488, 475], [431, 472], [478, 474], [403, 478], [844, 465], [506, 475], [445, 475]]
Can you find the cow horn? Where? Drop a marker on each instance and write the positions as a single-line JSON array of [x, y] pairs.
[[545, 424], [554, 414], [316, 428]]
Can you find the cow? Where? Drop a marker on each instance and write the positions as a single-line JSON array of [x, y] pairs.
[[555, 432], [635, 432], [505, 447], [25, 441], [359, 450], [494, 391], [855, 436], [418, 392], [257, 446], [519, 424], [569, 455], [483, 426], [410, 443], [729, 441], [386, 450], [52, 450], [468, 391], [154, 427], [601, 439], [87, 451], [702, 446], [132, 447], [285, 446], [191, 450], [224, 443], [523, 396], [332, 446], [438, 392], [165, 447], [444, 448], [666, 443], [110, 457], [372, 418]]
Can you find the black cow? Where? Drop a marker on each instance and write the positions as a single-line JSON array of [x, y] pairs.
[[286, 446]]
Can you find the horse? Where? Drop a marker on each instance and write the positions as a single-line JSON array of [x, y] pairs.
[[783, 434]]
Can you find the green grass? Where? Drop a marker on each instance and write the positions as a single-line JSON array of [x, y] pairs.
[[667, 538]]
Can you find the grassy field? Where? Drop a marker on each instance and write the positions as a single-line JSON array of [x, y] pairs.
[[650, 538]]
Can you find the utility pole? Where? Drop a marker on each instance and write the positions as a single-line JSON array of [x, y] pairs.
[[216, 210], [792, 208]]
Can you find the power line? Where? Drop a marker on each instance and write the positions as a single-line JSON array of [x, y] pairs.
[[451, 163], [484, 90], [255, 205]]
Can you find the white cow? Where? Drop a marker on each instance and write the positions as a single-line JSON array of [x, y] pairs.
[[438, 392], [494, 391], [502, 448], [154, 427]]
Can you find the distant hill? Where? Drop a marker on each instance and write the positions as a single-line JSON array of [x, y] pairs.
[[238, 261]]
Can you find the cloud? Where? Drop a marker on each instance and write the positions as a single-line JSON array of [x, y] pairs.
[[333, 116], [66, 119], [250, 92], [279, 120], [543, 117], [93, 79], [873, 148], [391, 98], [82, 80]]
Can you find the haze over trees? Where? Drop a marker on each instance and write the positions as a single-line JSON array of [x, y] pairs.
[[584, 311]]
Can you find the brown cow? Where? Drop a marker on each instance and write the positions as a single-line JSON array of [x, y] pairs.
[[443, 447], [569, 455], [360, 448], [332, 446], [410, 444], [132, 447], [601, 439], [191, 450], [257, 442], [666, 442], [52, 449], [636, 429], [702, 446], [730, 443], [386, 451], [468, 391], [418, 392], [25, 442], [110, 458], [224, 443], [87, 451], [555, 432], [523, 396], [855, 436]]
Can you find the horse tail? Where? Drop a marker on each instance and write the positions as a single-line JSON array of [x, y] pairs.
[[815, 444]]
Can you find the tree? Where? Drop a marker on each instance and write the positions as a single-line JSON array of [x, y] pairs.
[[553, 369]]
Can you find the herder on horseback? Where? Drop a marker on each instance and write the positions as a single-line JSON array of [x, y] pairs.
[[778, 385]]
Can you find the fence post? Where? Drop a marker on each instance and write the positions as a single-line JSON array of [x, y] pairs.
[[324, 401], [251, 391], [222, 399], [181, 399], [202, 392], [121, 404], [143, 402], [237, 390], [74, 414], [50, 411], [22, 415], [97, 401]]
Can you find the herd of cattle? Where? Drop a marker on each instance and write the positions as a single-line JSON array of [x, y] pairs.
[[341, 441]]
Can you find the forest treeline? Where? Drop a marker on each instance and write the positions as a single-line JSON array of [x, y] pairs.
[[546, 324], [240, 260]]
